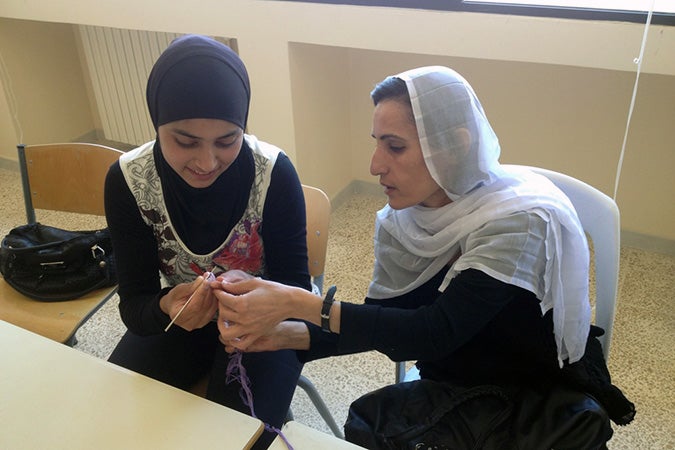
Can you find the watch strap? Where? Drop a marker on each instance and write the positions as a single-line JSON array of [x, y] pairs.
[[325, 309]]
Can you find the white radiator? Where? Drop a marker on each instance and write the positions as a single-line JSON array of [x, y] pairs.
[[119, 62]]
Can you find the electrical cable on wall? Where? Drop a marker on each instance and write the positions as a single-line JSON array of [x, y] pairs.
[[638, 61]]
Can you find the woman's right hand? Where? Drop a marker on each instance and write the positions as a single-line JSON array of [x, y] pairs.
[[232, 276], [201, 309], [250, 309]]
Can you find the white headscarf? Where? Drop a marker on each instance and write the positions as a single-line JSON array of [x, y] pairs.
[[415, 243]]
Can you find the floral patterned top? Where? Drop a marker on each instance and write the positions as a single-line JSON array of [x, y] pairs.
[[243, 248]]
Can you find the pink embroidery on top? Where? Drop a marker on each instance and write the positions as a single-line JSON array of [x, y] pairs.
[[244, 251]]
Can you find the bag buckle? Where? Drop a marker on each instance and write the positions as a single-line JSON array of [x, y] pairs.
[[94, 249]]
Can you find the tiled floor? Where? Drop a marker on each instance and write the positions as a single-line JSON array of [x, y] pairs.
[[643, 348]]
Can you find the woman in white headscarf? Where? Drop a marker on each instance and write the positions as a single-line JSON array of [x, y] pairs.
[[481, 273]]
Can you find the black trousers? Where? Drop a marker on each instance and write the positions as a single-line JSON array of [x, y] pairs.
[[181, 358]]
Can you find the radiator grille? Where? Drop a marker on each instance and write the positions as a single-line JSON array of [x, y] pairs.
[[118, 62]]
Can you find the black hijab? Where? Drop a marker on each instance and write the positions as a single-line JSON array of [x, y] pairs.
[[200, 78]]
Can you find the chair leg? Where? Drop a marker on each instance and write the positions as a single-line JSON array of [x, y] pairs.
[[399, 375], [319, 404]]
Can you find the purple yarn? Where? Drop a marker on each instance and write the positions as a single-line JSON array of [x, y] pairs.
[[237, 372]]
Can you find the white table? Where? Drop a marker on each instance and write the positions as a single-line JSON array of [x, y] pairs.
[[55, 397], [302, 437]]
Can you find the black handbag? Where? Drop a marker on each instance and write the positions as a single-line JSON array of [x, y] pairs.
[[51, 264], [426, 414]]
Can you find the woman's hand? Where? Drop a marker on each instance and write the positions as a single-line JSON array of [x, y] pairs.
[[234, 275], [250, 309], [286, 335], [201, 309]]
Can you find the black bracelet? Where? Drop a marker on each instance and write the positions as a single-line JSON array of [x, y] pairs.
[[325, 309]]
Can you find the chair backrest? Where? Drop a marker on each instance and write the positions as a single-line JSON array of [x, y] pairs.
[[599, 216], [317, 205], [66, 177]]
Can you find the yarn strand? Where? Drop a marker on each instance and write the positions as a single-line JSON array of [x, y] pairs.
[[237, 372]]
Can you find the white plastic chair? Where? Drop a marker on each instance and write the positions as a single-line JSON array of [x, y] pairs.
[[599, 216]]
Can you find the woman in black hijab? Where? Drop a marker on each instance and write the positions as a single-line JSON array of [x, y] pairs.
[[202, 199]]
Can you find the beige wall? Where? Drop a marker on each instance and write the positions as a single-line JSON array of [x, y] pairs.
[[570, 119], [45, 78], [556, 91], [321, 107]]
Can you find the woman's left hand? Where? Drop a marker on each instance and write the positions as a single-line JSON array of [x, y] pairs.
[[286, 335]]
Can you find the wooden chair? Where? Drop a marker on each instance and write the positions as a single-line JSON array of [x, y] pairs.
[[318, 210], [68, 178], [317, 205]]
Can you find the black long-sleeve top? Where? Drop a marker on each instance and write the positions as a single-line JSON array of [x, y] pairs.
[[283, 231], [479, 330]]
